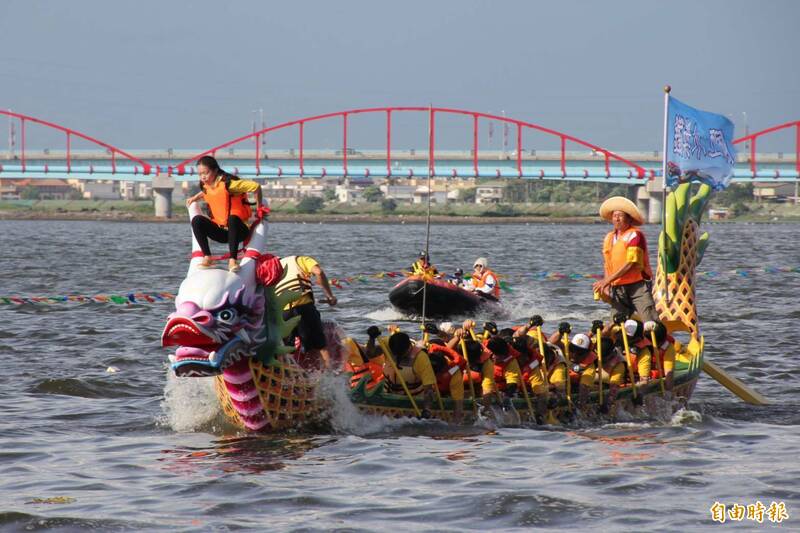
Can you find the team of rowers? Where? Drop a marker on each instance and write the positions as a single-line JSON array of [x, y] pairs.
[[497, 365]]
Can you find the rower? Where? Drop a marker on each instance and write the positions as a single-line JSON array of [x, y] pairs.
[[665, 351], [448, 366], [639, 346], [415, 366], [507, 375]]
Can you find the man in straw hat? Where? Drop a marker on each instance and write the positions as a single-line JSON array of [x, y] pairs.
[[626, 284]]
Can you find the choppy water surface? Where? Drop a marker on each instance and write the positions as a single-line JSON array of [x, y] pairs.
[[136, 449]]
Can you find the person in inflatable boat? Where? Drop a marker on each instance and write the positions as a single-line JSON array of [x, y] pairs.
[[423, 266], [483, 280]]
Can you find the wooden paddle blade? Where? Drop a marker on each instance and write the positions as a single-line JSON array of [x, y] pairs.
[[734, 385]]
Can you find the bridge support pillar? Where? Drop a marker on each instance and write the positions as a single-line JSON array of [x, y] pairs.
[[162, 195], [650, 201]]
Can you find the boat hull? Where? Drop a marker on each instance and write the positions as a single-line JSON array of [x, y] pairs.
[[441, 299], [288, 397]]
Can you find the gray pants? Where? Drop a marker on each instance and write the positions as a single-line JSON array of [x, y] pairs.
[[634, 297]]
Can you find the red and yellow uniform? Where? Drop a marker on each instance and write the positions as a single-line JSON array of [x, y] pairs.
[[556, 374], [628, 247], [450, 380], [485, 377], [666, 354], [582, 369], [417, 376], [641, 358]]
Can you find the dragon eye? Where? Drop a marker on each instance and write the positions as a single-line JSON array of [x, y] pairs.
[[227, 316]]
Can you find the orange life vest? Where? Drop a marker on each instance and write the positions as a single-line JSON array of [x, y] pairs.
[[501, 366], [372, 369], [479, 282], [588, 359], [222, 203], [453, 362], [615, 254]]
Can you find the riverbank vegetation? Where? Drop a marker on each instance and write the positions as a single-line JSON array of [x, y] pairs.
[[556, 201]]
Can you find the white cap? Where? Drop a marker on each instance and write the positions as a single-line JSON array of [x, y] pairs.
[[581, 341], [482, 261], [649, 325], [630, 327]]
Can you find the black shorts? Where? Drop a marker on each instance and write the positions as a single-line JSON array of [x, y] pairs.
[[310, 330]]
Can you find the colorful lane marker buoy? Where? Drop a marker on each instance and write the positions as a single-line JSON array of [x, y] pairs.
[[142, 297]]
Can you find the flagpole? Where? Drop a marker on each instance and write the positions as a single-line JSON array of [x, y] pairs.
[[667, 90]]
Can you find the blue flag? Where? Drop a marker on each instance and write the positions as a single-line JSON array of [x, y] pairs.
[[698, 146]]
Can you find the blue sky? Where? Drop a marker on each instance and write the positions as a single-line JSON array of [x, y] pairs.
[[155, 74]]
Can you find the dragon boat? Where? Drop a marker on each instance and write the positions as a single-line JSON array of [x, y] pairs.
[[442, 298], [230, 326]]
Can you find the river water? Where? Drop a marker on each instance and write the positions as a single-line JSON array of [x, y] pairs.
[[95, 433]]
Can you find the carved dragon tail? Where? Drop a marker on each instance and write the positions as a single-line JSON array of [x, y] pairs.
[[680, 250]]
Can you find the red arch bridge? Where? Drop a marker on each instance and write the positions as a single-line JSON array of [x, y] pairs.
[[572, 159]]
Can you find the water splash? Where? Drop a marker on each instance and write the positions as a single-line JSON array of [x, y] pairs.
[[684, 417], [189, 403], [386, 314]]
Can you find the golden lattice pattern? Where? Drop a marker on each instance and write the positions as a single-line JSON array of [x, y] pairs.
[[286, 391], [681, 305]]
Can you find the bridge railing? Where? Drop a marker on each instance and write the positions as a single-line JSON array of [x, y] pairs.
[[70, 133], [257, 137], [753, 139]]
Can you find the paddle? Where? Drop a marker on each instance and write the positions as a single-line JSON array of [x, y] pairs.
[[525, 394], [390, 357], [469, 379], [551, 419], [734, 385], [659, 360], [628, 359], [599, 365], [565, 342]]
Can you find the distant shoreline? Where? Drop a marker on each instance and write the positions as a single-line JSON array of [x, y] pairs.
[[122, 216]]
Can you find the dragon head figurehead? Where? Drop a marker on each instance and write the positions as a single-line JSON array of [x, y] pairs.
[[219, 315]]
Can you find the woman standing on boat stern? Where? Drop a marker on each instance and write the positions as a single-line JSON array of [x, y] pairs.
[[226, 196], [626, 284]]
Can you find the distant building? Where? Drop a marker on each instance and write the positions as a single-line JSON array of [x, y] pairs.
[[352, 190], [295, 188], [718, 214], [8, 190], [100, 190], [490, 192], [773, 192], [49, 188]]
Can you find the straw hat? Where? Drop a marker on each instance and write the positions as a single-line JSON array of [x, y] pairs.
[[620, 203]]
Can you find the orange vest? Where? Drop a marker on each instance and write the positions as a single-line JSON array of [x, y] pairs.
[[481, 282], [453, 363], [615, 255], [219, 200]]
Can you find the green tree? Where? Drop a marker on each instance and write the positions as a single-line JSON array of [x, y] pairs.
[[736, 193], [329, 195], [388, 205], [467, 195], [310, 204], [373, 194], [29, 192]]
